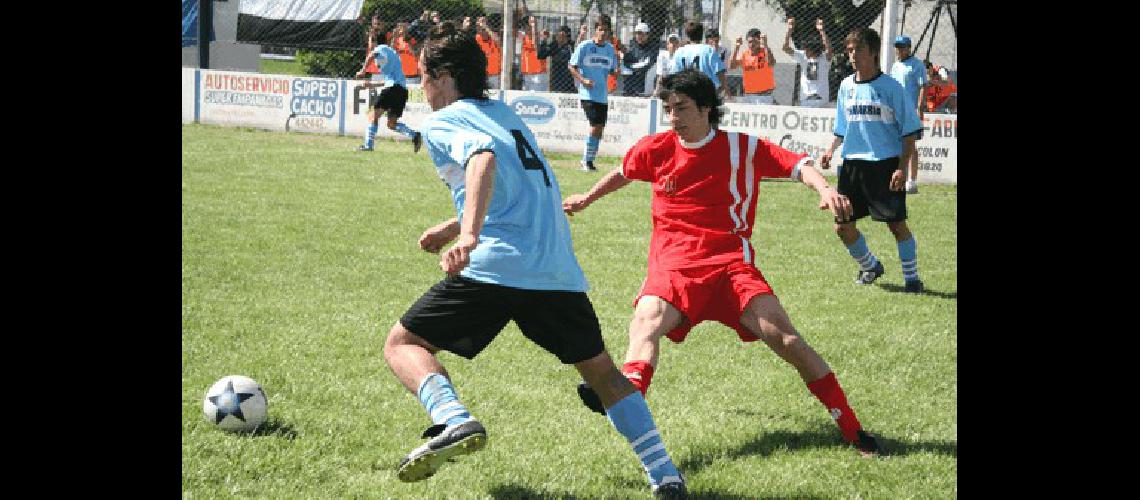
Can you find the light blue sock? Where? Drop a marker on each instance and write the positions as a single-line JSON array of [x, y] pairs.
[[591, 150], [908, 254], [862, 254], [439, 399], [369, 136], [631, 418], [406, 130]]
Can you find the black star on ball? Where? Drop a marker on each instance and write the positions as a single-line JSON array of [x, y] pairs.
[[229, 403]]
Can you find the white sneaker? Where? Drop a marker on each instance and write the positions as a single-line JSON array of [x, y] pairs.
[[588, 166], [911, 187]]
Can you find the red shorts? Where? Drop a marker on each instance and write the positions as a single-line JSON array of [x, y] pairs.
[[714, 293]]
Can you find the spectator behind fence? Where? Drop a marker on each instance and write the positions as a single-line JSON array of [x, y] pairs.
[[712, 38], [406, 46], [814, 89], [911, 74], [665, 60], [560, 51], [418, 29], [942, 93], [489, 41], [641, 63], [377, 34], [533, 58], [701, 56], [757, 61]]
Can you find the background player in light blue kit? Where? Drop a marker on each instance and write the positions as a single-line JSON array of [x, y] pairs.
[[392, 98], [590, 65], [701, 56], [911, 74], [877, 124], [514, 260]]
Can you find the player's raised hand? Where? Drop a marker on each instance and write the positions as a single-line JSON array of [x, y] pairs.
[[898, 181], [840, 206], [739, 41], [459, 255], [575, 203]]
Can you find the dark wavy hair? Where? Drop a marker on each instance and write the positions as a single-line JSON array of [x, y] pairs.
[[695, 31], [456, 52], [698, 87], [863, 36]]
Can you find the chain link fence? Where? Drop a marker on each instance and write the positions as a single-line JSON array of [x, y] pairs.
[[539, 51]]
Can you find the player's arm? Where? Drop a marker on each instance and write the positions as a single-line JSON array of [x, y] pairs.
[[823, 36], [790, 48], [771, 55], [825, 160], [435, 237], [579, 78], [609, 183], [829, 198], [480, 181], [898, 178]]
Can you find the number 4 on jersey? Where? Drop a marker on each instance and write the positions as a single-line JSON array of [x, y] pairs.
[[527, 155]]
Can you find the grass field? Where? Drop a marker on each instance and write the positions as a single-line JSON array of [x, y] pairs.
[[280, 67], [298, 254]]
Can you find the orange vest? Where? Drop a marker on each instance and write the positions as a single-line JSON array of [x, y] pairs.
[[758, 75], [531, 64], [407, 59], [491, 50], [937, 93], [611, 80]]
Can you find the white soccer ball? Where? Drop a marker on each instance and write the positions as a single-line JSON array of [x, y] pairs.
[[236, 403]]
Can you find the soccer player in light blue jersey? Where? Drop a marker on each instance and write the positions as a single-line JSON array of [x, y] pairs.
[[701, 56], [391, 99], [590, 65], [514, 260], [877, 125], [911, 74]]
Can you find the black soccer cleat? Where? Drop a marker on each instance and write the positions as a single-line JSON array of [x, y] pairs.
[[417, 142], [445, 444], [868, 277], [363, 148], [590, 398], [867, 444], [913, 286], [671, 490], [588, 166]]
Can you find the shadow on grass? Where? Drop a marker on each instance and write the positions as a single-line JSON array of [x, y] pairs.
[[275, 427], [767, 443], [513, 491], [891, 287]]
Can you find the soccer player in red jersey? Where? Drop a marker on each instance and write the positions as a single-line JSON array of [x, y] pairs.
[[701, 262]]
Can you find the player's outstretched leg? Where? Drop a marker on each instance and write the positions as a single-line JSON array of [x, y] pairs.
[[869, 267], [908, 255], [455, 432], [765, 317], [629, 414], [397, 126]]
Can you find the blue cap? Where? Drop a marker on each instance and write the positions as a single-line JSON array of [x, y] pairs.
[[902, 41]]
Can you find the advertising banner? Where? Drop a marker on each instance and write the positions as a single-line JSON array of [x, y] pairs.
[[559, 124], [275, 102], [188, 98]]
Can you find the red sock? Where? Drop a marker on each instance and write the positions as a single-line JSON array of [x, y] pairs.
[[827, 390], [639, 373]]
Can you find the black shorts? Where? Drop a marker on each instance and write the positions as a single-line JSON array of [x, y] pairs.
[[596, 112], [463, 316], [391, 99], [867, 184]]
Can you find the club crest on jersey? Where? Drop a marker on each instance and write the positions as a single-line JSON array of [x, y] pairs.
[[669, 185]]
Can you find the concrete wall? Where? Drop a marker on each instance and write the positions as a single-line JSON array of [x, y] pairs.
[[225, 52]]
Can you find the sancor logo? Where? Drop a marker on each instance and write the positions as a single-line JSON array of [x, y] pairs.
[[534, 110]]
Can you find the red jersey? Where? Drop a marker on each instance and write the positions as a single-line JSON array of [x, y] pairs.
[[704, 195]]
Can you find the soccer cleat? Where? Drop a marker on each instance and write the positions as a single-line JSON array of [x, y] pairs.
[[417, 142], [911, 187], [590, 398], [913, 286], [445, 444], [363, 148], [867, 444], [868, 277], [674, 489], [588, 166]]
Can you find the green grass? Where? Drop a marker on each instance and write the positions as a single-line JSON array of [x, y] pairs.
[[279, 67], [298, 254]]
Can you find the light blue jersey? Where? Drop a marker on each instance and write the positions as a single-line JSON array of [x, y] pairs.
[[525, 241], [701, 56], [595, 62], [388, 61], [872, 117], [911, 74]]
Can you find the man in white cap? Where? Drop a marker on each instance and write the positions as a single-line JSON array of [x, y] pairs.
[[640, 63]]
